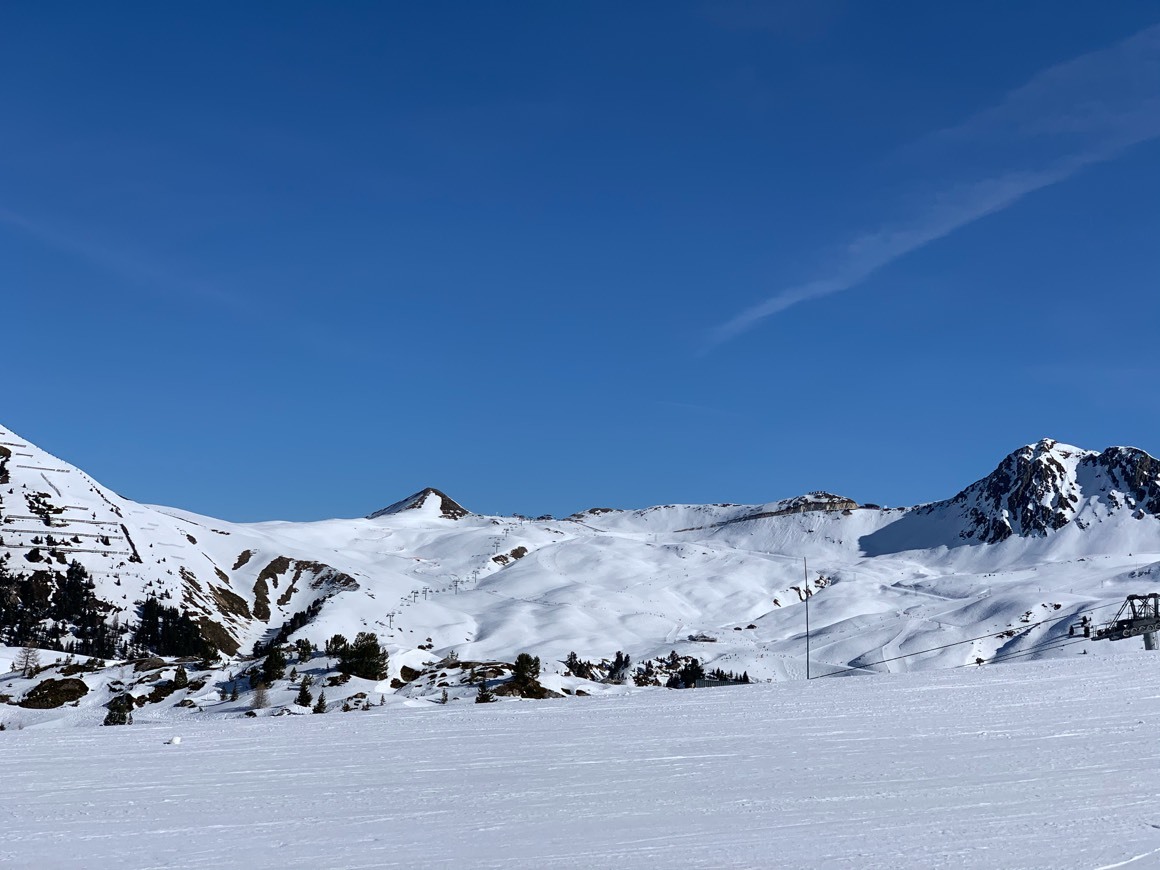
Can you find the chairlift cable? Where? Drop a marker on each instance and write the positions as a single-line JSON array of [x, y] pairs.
[[971, 640]]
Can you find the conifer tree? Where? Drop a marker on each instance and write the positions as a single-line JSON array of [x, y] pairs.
[[320, 704], [525, 670], [484, 695], [274, 668], [364, 658], [180, 678], [692, 672], [304, 648], [304, 697]]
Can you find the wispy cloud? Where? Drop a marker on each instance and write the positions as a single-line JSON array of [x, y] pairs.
[[314, 335], [136, 269], [1076, 114]]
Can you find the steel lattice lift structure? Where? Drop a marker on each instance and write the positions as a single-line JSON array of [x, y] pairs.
[[1139, 615]]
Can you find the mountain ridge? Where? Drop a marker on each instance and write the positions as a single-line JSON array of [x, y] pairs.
[[1051, 529]]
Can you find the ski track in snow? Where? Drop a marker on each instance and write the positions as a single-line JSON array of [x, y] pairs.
[[1042, 765]]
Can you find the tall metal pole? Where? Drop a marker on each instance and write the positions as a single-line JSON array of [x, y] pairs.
[[806, 572]]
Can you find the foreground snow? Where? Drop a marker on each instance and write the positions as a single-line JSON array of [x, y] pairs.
[[1041, 765]]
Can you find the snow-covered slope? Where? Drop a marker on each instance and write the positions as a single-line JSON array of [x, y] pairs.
[[1019, 555], [1043, 767]]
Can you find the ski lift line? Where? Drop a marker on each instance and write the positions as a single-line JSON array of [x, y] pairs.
[[66, 551], [43, 468], [982, 637], [1050, 647], [65, 520], [40, 531]]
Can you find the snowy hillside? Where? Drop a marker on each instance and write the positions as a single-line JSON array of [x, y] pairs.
[[998, 572]]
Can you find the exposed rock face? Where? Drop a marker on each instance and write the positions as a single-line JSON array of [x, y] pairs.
[[448, 507], [1033, 491], [1131, 472], [1041, 488], [814, 501]]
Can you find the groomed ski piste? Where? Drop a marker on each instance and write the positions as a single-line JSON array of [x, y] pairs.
[[1048, 764]]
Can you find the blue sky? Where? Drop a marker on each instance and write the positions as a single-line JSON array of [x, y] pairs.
[[295, 260]]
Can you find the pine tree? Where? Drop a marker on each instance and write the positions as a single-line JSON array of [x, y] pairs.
[[304, 648], [180, 678], [692, 672], [364, 658], [274, 668], [233, 690], [304, 697], [620, 665], [525, 670], [320, 704], [443, 698], [484, 695]]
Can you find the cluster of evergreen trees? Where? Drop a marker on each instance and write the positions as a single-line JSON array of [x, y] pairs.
[[51, 609], [578, 667], [675, 671], [55, 610], [728, 676], [687, 676], [291, 625], [616, 672], [169, 632], [363, 657]]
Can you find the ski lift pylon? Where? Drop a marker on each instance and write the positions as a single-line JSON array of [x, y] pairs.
[[1139, 615]]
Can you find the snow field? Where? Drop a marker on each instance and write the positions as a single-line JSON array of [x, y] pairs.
[[1040, 765]]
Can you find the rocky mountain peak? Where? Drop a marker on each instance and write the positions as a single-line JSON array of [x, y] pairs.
[[427, 498], [1033, 491]]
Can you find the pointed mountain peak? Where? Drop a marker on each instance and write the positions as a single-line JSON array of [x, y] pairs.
[[430, 501]]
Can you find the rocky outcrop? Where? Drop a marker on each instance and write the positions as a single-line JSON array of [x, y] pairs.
[[50, 694], [813, 501]]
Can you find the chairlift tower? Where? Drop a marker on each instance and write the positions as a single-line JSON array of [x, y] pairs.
[[1139, 615]]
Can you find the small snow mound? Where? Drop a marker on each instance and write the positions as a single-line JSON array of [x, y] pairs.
[[173, 741]]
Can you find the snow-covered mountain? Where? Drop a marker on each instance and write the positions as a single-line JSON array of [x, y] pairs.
[[1052, 532]]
